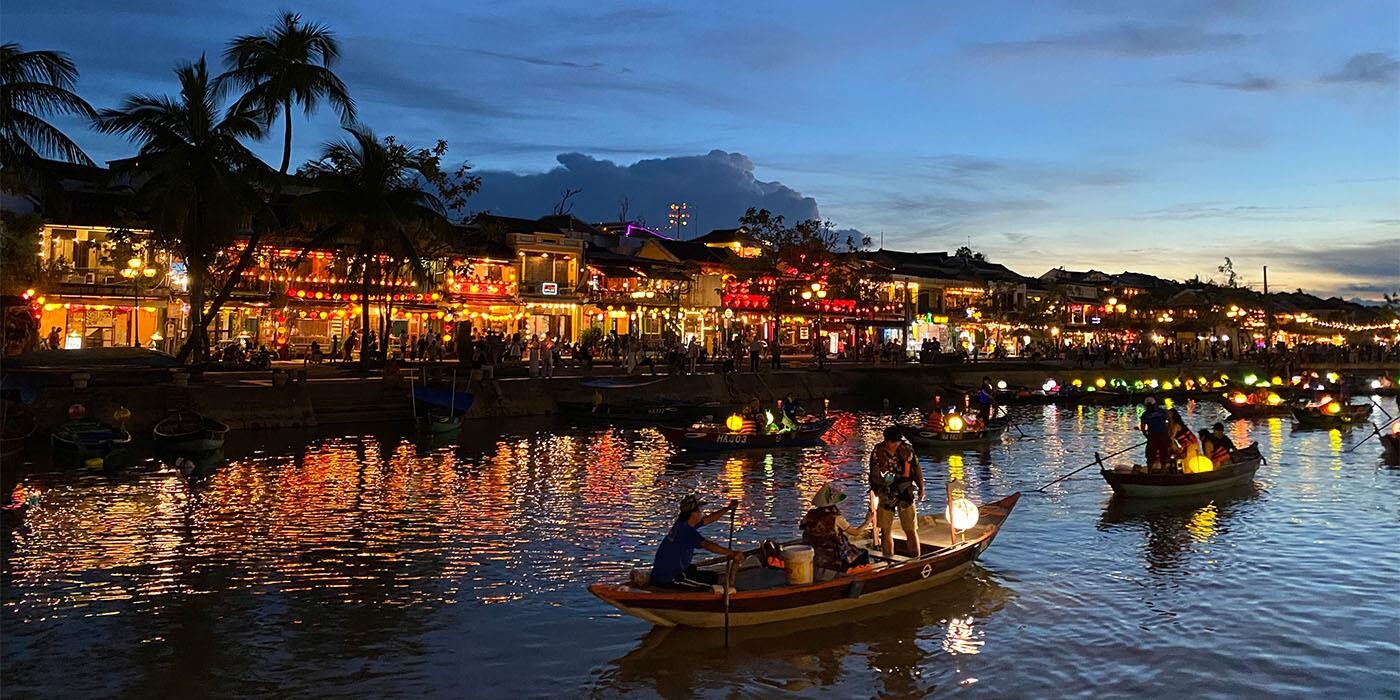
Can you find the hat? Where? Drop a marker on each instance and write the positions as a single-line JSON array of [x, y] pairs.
[[828, 495], [690, 504]]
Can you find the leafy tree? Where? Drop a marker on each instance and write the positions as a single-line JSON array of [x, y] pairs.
[[966, 253], [199, 180], [35, 85], [1231, 278], [380, 203]]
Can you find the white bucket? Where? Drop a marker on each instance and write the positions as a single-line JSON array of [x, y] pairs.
[[797, 559]]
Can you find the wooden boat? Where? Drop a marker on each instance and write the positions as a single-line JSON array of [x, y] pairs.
[[87, 439], [442, 422], [1247, 411], [717, 437], [762, 596], [445, 407], [18, 428], [1129, 481], [188, 431], [651, 412], [1390, 448], [922, 436], [1314, 417]]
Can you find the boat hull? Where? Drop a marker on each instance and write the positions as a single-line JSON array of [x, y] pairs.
[[1314, 418], [922, 437], [1249, 411], [189, 432], [807, 435], [1160, 485]]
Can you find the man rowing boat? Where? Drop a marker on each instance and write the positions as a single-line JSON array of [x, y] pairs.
[[672, 567]]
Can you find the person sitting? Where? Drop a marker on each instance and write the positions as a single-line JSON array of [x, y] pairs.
[[791, 407], [1216, 445], [1184, 443], [825, 530], [935, 421], [672, 567]]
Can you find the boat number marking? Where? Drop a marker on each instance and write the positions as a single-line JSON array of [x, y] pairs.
[[927, 571]]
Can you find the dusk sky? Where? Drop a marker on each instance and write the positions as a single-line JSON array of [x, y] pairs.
[[1159, 138]]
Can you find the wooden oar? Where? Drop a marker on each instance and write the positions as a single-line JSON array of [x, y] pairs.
[[1097, 460], [1375, 430], [1006, 412]]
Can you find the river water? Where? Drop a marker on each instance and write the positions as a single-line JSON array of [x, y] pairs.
[[377, 563]]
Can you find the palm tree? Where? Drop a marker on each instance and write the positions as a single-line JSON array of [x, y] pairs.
[[368, 200], [289, 63], [35, 85], [199, 180]]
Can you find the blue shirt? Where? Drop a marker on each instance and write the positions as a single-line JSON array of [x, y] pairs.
[[674, 555], [1155, 420]]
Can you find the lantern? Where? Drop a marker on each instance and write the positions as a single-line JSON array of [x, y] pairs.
[[1240, 398], [1049, 385], [734, 422], [1001, 384], [954, 424], [1198, 464], [962, 513], [1274, 399], [1077, 383], [1332, 408], [1100, 382]]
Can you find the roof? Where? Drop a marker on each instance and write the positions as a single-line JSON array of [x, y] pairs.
[[697, 252], [726, 236], [941, 265]]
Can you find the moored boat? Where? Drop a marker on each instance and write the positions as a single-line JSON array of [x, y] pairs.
[[188, 431], [86, 439], [761, 596], [705, 436], [924, 436], [1132, 481], [1322, 416]]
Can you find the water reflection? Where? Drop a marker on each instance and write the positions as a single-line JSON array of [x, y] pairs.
[[1176, 527]]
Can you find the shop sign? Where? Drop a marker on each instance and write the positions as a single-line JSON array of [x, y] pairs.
[[549, 288]]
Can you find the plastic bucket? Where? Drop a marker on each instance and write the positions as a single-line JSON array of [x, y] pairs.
[[797, 559]]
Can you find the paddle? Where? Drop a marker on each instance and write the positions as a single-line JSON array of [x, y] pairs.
[[729, 576], [1375, 430], [1005, 411], [1097, 460]]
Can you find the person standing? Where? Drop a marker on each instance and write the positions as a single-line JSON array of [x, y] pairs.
[[1153, 425], [693, 355], [897, 481], [548, 356], [755, 353], [534, 351]]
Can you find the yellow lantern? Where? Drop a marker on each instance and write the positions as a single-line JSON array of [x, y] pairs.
[[1100, 383], [734, 422], [962, 513], [1077, 383], [1332, 408], [1198, 464], [1240, 398], [1274, 399], [954, 424]]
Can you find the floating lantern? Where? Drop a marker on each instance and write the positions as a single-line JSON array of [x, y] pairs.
[[1240, 398], [1049, 385], [954, 424], [1333, 377], [1198, 464], [1250, 379], [1276, 380], [1077, 383], [962, 513], [1166, 385]]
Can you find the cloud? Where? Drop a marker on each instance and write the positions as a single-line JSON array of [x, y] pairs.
[[535, 61], [1367, 69], [1355, 267], [717, 186], [1127, 39], [1245, 82], [1216, 210]]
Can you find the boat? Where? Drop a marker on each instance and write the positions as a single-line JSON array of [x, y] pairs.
[[709, 436], [645, 411], [1248, 411], [444, 407], [1306, 417], [89, 440], [762, 596], [442, 422], [1133, 481], [922, 436], [187, 431], [18, 428]]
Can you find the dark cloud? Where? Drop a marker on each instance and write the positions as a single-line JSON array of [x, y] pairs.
[[1367, 69], [718, 186], [1128, 39], [1368, 266], [1246, 82]]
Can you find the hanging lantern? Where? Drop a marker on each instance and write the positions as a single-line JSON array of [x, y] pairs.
[[962, 513]]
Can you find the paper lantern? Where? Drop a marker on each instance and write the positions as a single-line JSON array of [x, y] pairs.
[[1100, 383], [1001, 384], [1332, 408], [954, 424], [1240, 398], [962, 513], [1198, 464], [1274, 399], [1077, 383], [734, 422], [1049, 385]]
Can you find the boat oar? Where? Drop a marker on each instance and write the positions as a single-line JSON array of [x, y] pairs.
[[1378, 405], [1375, 430], [1097, 460], [729, 577], [1014, 423]]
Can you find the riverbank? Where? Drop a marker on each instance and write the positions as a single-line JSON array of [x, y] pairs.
[[292, 398]]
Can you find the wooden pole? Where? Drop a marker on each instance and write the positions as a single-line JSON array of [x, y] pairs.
[[1097, 460]]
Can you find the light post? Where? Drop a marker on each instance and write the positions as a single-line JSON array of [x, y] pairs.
[[817, 291], [136, 270]]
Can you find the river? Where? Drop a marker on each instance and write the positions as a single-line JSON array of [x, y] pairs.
[[377, 563]]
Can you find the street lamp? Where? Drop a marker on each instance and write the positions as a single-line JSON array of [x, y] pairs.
[[136, 270]]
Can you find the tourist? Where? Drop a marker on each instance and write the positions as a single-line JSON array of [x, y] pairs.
[[777, 354], [55, 338], [1153, 425], [693, 355], [1184, 445], [826, 531], [755, 353], [535, 355], [1216, 445], [547, 354], [897, 481], [335, 347], [672, 567]]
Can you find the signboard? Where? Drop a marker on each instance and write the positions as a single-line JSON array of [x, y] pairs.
[[549, 288], [1095, 320]]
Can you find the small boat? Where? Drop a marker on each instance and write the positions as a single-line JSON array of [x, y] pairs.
[[90, 441], [18, 427], [1248, 411], [1390, 447], [1307, 417], [1132, 481], [706, 436], [922, 436], [187, 431], [651, 412], [446, 406], [442, 422], [761, 596]]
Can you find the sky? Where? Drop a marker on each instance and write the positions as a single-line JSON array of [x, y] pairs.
[[1157, 137]]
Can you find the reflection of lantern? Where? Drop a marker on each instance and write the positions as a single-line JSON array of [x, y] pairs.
[[1239, 398], [1274, 399], [734, 422], [1198, 464], [962, 513], [954, 424], [1332, 408]]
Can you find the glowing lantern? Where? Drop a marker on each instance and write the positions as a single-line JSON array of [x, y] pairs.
[[447, 337], [1001, 384], [734, 422], [1198, 464], [1332, 408], [1276, 380], [1077, 383], [1250, 379], [1375, 383], [1100, 382], [1274, 399], [1240, 398], [962, 513], [954, 424], [1049, 385], [1333, 377]]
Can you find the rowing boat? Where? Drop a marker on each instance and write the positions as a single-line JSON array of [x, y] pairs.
[[761, 596], [88, 440], [923, 436], [1248, 411], [188, 431], [703, 436], [1315, 417], [1132, 481]]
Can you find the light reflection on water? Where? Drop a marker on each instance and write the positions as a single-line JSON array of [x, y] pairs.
[[384, 564]]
